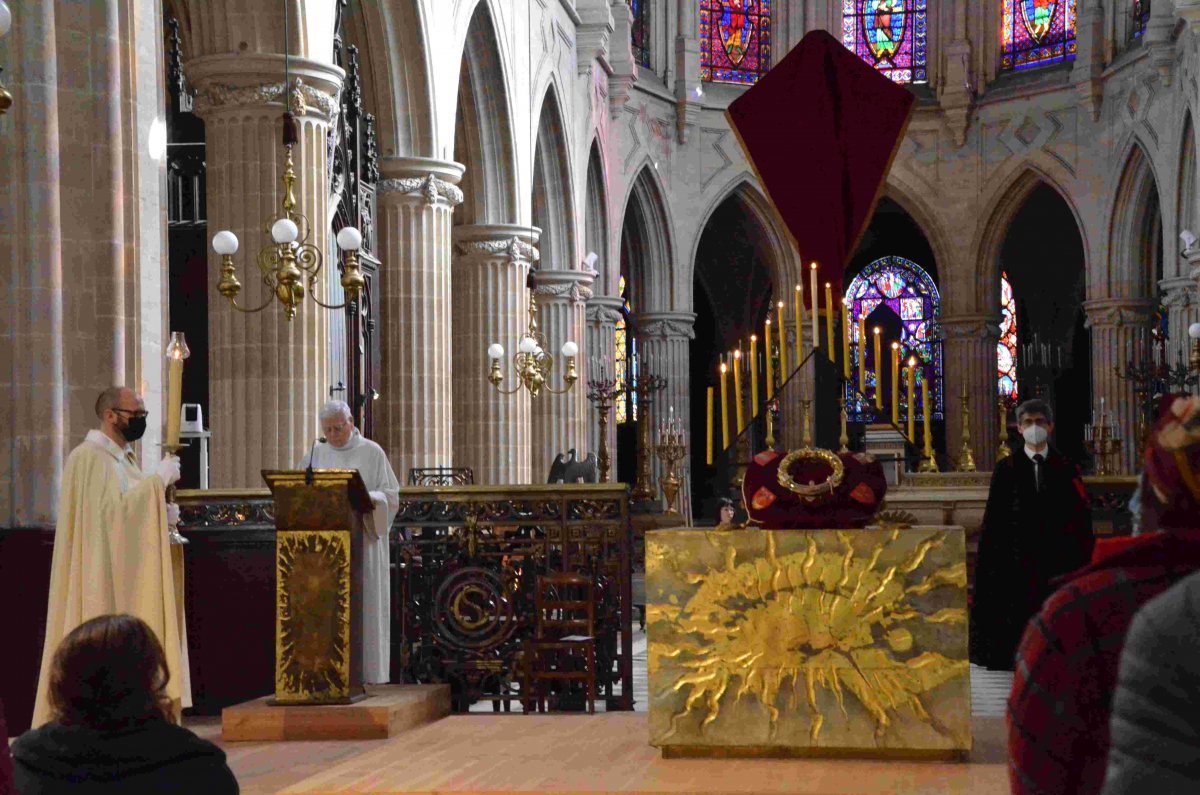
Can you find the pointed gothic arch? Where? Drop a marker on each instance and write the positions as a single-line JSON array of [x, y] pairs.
[[483, 131], [552, 194], [1134, 265], [1185, 194], [596, 222], [646, 247]]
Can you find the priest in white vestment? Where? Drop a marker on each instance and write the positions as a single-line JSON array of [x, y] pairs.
[[112, 553], [345, 448]]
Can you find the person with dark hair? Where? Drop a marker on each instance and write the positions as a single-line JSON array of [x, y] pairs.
[[1037, 526], [111, 729], [1058, 711], [725, 513]]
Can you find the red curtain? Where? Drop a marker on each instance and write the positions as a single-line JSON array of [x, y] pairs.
[[821, 129]]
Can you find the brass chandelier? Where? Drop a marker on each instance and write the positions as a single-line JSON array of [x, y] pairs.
[[290, 265], [531, 361]]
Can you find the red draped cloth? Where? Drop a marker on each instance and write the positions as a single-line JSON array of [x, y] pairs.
[[821, 129]]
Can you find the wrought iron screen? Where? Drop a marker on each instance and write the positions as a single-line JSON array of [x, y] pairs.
[[467, 560], [441, 476]]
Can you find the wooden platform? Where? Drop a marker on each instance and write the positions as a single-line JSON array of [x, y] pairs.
[[610, 753], [390, 710]]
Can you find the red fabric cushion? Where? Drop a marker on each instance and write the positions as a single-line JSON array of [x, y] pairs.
[[821, 129], [852, 504]]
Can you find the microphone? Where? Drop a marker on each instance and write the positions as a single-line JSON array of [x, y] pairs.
[[308, 471]]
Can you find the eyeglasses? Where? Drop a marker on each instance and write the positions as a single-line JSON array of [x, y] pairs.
[[133, 412]]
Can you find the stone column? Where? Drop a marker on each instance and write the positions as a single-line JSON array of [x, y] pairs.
[[416, 198], [1119, 335], [1183, 309], [663, 339], [969, 359], [560, 422], [491, 305], [267, 376], [603, 314]]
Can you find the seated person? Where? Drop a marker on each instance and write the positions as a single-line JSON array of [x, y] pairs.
[[1058, 711], [725, 514], [1156, 708], [111, 731]]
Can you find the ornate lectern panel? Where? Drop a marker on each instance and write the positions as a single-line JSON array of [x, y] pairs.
[[810, 641]]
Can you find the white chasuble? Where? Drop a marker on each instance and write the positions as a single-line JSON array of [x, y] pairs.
[[112, 555], [372, 463]]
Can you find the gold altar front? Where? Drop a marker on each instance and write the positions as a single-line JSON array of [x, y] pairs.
[[822, 642]]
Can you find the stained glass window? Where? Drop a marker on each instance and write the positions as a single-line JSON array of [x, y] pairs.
[[1006, 348], [906, 290], [626, 359], [889, 35], [1036, 33], [735, 40], [641, 31], [1141, 15]]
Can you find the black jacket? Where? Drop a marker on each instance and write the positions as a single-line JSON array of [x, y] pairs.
[[154, 757], [1028, 539]]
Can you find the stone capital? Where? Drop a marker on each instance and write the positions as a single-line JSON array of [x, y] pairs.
[[666, 325], [1192, 257], [238, 83], [494, 241], [605, 309], [1180, 291], [1118, 312], [985, 328], [572, 285]]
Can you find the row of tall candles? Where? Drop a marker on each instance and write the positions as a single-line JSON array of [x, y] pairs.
[[740, 364]]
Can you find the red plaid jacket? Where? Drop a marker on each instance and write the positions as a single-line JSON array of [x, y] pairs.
[[1066, 668]]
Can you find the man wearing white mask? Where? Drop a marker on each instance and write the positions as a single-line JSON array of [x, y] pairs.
[[1037, 527], [343, 447]]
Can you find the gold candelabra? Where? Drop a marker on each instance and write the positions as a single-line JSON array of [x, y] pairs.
[[844, 437], [532, 363], [670, 450], [966, 456], [602, 392], [645, 386], [1104, 444]]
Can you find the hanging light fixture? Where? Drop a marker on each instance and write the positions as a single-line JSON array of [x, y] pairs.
[[290, 265], [532, 362]]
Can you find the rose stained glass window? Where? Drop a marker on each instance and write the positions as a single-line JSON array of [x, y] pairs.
[[1006, 348], [907, 291], [888, 34], [735, 40], [640, 31], [1036, 33]]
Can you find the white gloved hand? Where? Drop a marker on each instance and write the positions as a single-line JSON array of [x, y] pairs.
[[172, 514], [168, 470]]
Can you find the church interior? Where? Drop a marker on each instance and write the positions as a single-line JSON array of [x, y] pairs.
[[539, 250]]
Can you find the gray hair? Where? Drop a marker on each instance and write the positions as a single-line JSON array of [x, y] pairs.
[[108, 399], [335, 408], [1035, 406]]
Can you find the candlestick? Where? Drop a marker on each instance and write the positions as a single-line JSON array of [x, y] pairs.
[[896, 384], [798, 300], [844, 438], [770, 364], [807, 427], [1005, 452], [813, 282], [928, 462], [708, 427], [846, 339], [753, 375], [829, 323], [782, 331], [724, 409], [737, 389], [966, 456], [177, 351], [862, 355], [878, 370], [912, 404]]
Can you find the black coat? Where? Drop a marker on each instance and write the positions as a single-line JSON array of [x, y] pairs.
[[1028, 539], [154, 757]]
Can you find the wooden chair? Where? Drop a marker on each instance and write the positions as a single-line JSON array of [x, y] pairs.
[[565, 609]]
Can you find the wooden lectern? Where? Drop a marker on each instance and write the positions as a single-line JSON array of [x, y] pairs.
[[318, 585]]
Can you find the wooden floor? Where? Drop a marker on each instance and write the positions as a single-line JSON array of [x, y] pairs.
[[578, 754]]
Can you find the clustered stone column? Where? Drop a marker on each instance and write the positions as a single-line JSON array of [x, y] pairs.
[[267, 376], [417, 197], [491, 305], [603, 314], [663, 339], [560, 422], [1183, 309], [1119, 332], [969, 359]]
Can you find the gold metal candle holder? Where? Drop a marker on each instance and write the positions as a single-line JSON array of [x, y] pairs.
[[602, 393], [966, 457], [670, 450], [1103, 444]]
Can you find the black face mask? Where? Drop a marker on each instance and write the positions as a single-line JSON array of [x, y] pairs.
[[134, 429]]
